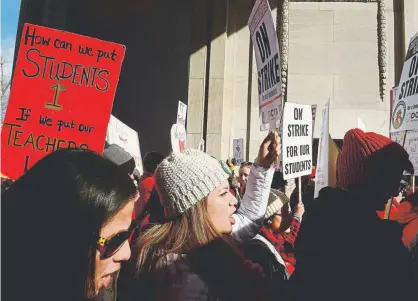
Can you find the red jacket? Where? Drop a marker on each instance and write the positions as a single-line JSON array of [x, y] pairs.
[[146, 185]]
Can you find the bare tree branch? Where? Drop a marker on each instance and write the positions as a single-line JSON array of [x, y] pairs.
[[4, 87]]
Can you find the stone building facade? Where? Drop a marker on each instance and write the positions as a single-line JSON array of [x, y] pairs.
[[199, 51], [350, 52]]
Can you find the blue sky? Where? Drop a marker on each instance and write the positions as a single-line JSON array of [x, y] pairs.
[[9, 19]]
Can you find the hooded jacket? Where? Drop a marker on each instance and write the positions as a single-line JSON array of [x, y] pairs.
[[344, 251]]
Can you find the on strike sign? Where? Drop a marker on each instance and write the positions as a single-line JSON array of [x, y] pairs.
[[264, 38], [297, 140], [405, 109], [62, 95]]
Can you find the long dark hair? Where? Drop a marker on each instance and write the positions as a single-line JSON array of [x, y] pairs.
[[51, 220]]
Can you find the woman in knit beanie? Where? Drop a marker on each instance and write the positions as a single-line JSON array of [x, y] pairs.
[[281, 227], [191, 254]]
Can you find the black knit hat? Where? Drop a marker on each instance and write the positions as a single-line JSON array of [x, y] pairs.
[[120, 157]]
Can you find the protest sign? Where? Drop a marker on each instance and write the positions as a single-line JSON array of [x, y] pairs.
[[127, 138], [62, 95], [405, 111], [297, 140], [178, 137], [266, 47], [393, 92], [411, 146], [398, 137], [321, 178], [238, 148], [181, 113], [201, 146], [313, 118]]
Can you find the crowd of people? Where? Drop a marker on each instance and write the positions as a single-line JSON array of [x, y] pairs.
[[81, 226]]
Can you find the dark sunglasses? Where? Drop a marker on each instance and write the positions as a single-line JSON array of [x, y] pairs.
[[108, 247]]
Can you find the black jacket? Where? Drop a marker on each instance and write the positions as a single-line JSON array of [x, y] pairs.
[[276, 275], [345, 252], [213, 272]]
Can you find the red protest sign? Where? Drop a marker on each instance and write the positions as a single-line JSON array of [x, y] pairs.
[[62, 95]]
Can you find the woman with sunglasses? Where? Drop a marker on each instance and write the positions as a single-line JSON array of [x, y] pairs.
[[65, 224]]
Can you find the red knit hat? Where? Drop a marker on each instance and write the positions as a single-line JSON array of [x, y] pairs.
[[354, 161]]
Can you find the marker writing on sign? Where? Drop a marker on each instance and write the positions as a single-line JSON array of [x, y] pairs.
[[24, 114], [43, 66], [18, 138]]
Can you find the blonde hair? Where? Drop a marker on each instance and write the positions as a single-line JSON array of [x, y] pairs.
[[191, 230]]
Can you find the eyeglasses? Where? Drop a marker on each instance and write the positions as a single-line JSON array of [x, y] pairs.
[[108, 247]]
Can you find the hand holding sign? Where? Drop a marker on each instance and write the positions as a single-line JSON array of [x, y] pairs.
[[269, 151]]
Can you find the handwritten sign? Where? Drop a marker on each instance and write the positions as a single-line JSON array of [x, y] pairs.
[[127, 138], [297, 140], [62, 95], [238, 148], [181, 113], [405, 111], [411, 146], [266, 46], [178, 137]]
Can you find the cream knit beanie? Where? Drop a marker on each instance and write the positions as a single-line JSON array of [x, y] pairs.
[[185, 178], [277, 200]]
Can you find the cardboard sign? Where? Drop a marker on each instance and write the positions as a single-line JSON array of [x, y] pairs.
[[62, 95], [405, 111], [181, 113], [127, 138], [297, 140], [321, 178], [178, 137], [411, 146], [238, 148], [266, 47]]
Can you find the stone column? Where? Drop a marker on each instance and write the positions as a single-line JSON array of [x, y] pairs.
[[410, 20], [215, 110], [197, 73]]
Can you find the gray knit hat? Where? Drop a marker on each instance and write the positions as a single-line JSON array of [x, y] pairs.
[[277, 200], [120, 157], [185, 178]]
